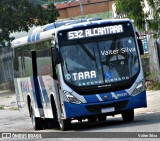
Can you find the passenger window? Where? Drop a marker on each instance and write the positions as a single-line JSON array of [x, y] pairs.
[[44, 62]]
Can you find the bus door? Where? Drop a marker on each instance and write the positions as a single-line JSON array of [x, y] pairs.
[[35, 84], [57, 87]]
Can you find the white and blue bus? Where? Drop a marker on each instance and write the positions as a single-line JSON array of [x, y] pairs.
[[86, 70]]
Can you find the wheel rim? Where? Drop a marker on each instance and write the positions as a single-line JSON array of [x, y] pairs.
[[61, 123], [33, 118]]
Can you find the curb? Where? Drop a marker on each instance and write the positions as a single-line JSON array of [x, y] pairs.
[[7, 92]]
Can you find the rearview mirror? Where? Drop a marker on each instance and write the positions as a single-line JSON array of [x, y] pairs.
[[56, 56], [140, 45]]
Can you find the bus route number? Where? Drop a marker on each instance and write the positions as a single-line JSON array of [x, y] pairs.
[[75, 34]]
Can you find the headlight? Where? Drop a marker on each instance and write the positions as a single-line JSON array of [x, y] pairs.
[[71, 98], [140, 88]]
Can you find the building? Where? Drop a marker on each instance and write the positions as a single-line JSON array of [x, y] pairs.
[[72, 8]]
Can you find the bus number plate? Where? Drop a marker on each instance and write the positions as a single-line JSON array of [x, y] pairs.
[[107, 110]]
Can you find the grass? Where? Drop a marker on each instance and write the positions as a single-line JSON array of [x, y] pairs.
[[7, 96], [153, 85], [152, 80], [14, 108], [1, 108]]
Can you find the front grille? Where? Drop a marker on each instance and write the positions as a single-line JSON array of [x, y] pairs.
[[92, 90], [116, 105]]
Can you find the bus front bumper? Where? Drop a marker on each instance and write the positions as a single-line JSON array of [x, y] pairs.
[[106, 107]]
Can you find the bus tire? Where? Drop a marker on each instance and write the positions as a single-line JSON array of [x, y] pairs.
[[49, 123], [29, 104], [37, 122], [92, 119], [101, 118], [65, 124], [55, 113], [128, 115]]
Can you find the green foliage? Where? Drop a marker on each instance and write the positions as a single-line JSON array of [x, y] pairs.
[[1, 108], [152, 78], [14, 108], [132, 9], [38, 1], [19, 15], [7, 96], [151, 85], [155, 23]]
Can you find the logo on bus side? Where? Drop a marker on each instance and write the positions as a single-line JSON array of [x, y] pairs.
[[116, 96], [24, 86], [81, 75]]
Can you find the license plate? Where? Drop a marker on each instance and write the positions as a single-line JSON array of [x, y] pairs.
[[107, 110]]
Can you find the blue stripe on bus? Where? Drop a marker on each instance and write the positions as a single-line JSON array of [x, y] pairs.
[[44, 91], [111, 96], [36, 91], [91, 98], [106, 22], [33, 38], [77, 110], [29, 39], [77, 26], [37, 37], [92, 24]]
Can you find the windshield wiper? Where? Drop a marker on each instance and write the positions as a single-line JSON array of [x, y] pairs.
[[87, 52]]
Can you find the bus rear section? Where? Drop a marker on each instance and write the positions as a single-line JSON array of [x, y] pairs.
[[100, 71]]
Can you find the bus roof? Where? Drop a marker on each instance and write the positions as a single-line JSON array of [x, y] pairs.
[[33, 38], [49, 33], [92, 23]]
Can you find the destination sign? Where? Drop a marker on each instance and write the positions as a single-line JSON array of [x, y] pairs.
[[92, 32]]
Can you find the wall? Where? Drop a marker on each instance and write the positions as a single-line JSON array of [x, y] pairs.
[[154, 58], [72, 9]]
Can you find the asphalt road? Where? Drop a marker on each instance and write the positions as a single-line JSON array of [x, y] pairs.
[[146, 120]]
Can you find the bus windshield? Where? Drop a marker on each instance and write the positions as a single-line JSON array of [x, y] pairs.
[[101, 62]]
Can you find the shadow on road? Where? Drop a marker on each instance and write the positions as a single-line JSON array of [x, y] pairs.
[[117, 122]]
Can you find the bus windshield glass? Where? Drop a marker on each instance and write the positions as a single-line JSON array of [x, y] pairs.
[[100, 62]]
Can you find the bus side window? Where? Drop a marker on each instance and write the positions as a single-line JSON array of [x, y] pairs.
[[28, 62], [44, 61], [21, 62], [16, 64]]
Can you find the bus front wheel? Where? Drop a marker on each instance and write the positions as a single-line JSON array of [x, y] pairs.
[[128, 115], [36, 121], [65, 124], [49, 123], [102, 118]]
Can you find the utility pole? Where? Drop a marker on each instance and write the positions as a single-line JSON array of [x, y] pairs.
[[81, 7]]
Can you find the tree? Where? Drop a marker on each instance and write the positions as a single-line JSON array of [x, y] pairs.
[[155, 23], [134, 10], [20, 15], [38, 1]]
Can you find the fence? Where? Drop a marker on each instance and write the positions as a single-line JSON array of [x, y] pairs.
[[6, 65]]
